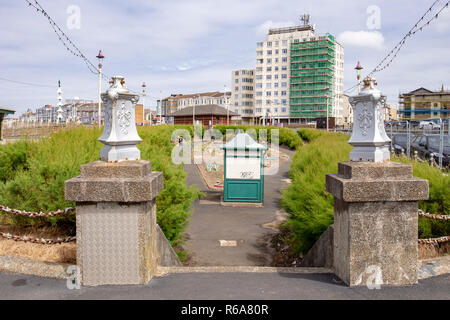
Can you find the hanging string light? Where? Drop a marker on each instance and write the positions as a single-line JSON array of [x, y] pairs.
[[387, 60], [64, 39]]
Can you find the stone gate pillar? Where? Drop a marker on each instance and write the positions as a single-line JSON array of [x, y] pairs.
[[115, 202], [375, 204]]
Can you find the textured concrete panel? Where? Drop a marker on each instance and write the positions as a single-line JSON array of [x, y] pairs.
[[380, 234], [376, 222], [108, 248]]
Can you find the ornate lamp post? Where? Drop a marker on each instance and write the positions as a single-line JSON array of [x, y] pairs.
[[358, 69], [100, 58], [369, 137], [119, 133]]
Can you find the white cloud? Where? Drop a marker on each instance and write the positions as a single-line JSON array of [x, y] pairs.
[[443, 22], [367, 39], [269, 24]]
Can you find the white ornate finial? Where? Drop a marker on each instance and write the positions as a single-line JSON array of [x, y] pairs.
[[119, 135], [369, 137]]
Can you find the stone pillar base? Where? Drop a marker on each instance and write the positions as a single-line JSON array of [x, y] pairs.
[[375, 222], [116, 222]]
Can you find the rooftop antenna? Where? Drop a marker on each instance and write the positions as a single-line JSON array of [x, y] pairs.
[[305, 19]]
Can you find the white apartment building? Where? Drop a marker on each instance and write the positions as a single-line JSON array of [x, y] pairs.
[[272, 77], [272, 72], [242, 94], [222, 99]]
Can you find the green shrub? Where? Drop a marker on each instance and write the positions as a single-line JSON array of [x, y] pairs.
[[36, 172], [311, 207]]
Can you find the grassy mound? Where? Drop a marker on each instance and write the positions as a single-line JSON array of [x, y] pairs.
[[32, 176], [311, 207]]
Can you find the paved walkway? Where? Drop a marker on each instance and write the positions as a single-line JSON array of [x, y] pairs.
[[212, 222], [206, 286]]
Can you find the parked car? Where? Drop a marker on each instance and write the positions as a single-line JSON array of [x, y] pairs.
[[400, 141], [430, 125], [427, 146]]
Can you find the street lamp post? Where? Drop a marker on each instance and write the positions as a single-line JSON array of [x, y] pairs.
[[143, 101], [100, 58], [358, 69], [225, 103]]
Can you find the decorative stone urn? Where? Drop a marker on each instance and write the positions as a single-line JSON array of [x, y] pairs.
[[119, 135], [369, 138]]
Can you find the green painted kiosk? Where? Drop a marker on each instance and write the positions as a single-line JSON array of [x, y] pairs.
[[243, 170]]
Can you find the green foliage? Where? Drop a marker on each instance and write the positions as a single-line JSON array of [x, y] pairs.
[[311, 207], [438, 202], [309, 135], [33, 175], [287, 137]]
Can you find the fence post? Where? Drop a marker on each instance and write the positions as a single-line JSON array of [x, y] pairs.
[[375, 204], [117, 234]]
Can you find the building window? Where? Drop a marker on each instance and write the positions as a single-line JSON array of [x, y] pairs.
[[269, 44], [268, 77], [269, 60], [283, 68], [284, 101], [283, 93], [284, 51], [259, 85], [269, 69], [284, 42], [275, 85], [268, 85], [236, 81], [268, 93], [284, 59], [259, 44], [269, 51], [283, 109], [283, 84], [259, 77], [284, 76]]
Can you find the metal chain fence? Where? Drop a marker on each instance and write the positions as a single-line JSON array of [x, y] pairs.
[[71, 239]]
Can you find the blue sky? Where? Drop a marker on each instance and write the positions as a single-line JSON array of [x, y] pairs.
[[182, 46]]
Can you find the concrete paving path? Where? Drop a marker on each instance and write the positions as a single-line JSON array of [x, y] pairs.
[[218, 286], [212, 222]]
